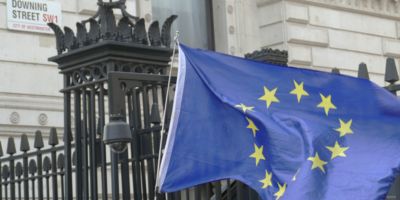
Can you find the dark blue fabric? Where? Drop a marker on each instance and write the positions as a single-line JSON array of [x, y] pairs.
[[210, 140]]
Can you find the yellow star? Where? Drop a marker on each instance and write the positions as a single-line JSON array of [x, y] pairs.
[[267, 180], [258, 154], [337, 150], [317, 162], [269, 96], [244, 107], [299, 91], [326, 104], [345, 128], [252, 126], [281, 191]]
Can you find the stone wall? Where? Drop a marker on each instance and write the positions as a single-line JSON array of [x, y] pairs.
[[29, 85], [322, 34]]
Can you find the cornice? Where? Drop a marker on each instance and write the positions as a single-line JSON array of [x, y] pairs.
[[31, 102], [16, 130], [382, 8]]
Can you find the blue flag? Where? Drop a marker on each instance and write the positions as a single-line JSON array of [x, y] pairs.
[[287, 133]]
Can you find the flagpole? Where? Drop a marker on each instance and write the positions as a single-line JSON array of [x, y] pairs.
[[176, 43]]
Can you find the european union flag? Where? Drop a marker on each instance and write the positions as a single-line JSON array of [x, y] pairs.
[[287, 133]]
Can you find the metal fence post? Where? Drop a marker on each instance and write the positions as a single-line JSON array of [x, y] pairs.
[[53, 141], [38, 144], [24, 147], [11, 151]]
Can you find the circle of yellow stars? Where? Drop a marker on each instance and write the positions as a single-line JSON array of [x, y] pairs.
[[326, 104]]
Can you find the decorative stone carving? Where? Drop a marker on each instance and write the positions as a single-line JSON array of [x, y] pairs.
[[42, 119], [382, 7], [231, 29], [148, 17], [230, 9], [14, 118]]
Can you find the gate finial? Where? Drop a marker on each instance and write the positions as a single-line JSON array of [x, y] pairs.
[[391, 74], [38, 142], [363, 71], [11, 146], [53, 139], [24, 143]]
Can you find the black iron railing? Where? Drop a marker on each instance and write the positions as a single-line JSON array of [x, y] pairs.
[[32, 174], [39, 173]]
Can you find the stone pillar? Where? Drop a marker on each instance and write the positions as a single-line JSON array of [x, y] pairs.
[[235, 26]]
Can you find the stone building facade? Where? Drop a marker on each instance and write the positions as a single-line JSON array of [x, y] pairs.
[[318, 34], [29, 84]]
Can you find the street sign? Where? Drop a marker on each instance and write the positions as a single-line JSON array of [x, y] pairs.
[[33, 15]]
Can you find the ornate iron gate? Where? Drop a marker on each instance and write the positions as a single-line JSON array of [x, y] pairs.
[[90, 68]]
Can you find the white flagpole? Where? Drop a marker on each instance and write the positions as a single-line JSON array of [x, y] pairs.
[[176, 43]]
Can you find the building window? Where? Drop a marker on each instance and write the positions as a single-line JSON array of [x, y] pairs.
[[194, 20]]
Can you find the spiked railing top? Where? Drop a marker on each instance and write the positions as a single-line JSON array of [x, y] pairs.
[[38, 143], [104, 27], [11, 146], [24, 143], [53, 139], [363, 71], [391, 74]]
